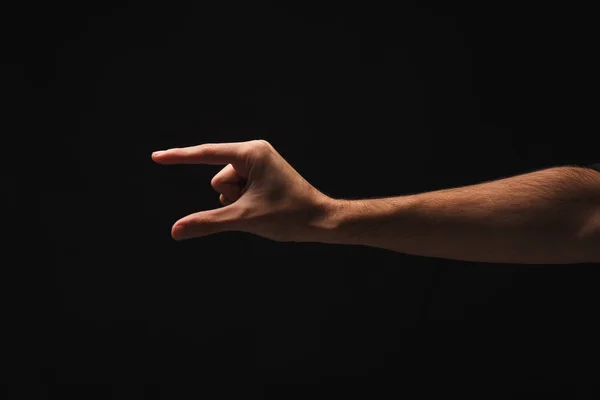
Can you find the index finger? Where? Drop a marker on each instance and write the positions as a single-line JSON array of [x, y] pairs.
[[207, 153]]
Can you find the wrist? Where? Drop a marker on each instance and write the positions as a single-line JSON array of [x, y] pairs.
[[329, 226], [364, 221]]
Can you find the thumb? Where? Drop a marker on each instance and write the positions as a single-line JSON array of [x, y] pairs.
[[207, 222]]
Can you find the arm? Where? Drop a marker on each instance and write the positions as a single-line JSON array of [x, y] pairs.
[[549, 216]]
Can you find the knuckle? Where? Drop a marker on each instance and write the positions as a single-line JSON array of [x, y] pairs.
[[262, 147], [262, 144], [256, 149]]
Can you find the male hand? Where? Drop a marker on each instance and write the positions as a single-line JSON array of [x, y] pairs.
[[260, 191]]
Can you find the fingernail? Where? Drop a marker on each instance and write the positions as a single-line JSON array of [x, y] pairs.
[[157, 153]]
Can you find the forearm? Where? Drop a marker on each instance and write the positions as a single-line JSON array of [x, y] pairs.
[[534, 218]]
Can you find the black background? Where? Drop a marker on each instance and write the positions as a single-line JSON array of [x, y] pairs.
[[371, 100]]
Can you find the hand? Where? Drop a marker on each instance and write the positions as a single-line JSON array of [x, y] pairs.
[[260, 191]]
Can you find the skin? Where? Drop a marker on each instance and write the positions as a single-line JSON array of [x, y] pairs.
[[550, 216], [260, 191]]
